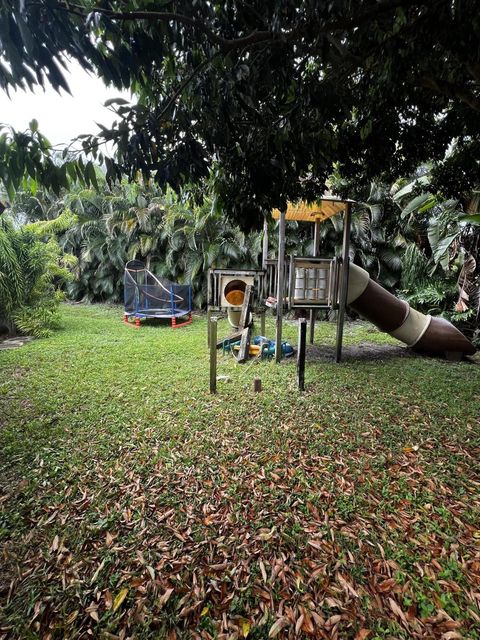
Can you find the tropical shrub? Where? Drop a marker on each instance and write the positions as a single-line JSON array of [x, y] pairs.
[[40, 320], [407, 238], [105, 228], [441, 264], [202, 238], [30, 269]]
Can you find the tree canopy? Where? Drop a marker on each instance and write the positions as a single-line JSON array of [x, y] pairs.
[[266, 97]]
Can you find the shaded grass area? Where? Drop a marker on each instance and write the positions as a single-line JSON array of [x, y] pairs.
[[134, 504]]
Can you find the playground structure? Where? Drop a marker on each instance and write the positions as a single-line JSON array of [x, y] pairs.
[[300, 282], [147, 296], [312, 283], [424, 333], [227, 288]]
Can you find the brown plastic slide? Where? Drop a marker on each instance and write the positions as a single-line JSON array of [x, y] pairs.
[[431, 335]]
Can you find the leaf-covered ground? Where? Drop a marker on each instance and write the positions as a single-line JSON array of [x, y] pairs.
[[134, 504]]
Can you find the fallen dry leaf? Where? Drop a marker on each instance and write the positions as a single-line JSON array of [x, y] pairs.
[[165, 597], [266, 534], [245, 626], [397, 610], [277, 627], [386, 585], [119, 598], [363, 634]]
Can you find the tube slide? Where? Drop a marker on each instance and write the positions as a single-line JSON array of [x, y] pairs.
[[431, 335]]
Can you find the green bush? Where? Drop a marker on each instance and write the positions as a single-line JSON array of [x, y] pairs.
[[37, 321], [30, 269]]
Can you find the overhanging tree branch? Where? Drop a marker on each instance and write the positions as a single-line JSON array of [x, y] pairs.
[[451, 90], [185, 83], [256, 36]]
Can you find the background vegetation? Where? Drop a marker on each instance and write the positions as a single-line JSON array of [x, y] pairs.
[[415, 242], [33, 268], [264, 97], [263, 101]]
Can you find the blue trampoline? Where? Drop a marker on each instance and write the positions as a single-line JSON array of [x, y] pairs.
[[147, 296]]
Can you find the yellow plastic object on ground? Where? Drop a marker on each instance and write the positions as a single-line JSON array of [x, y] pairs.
[[254, 349]]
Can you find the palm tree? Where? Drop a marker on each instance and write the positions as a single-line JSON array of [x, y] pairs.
[[203, 238], [374, 244]]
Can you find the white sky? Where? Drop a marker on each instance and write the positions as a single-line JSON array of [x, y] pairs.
[[61, 117]]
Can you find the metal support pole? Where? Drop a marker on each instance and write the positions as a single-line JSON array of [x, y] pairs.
[[264, 292], [347, 222], [302, 340], [316, 238], [280, 285], [313, 315], [265, 244], [316, 249], [262, 323], [213, 354]]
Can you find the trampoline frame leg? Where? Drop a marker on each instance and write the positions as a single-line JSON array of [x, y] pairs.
[[176, 324]]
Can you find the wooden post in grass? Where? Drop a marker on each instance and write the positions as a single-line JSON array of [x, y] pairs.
[[209, 317], [316, 249], [244, 351], [342, 303], [280, 285], [262, 323], [245, 314], [212, 332], [302, 343]]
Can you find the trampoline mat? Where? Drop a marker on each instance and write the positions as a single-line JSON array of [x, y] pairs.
[[158, 313]]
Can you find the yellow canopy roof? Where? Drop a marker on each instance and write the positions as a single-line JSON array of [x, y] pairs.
[[315, 212]]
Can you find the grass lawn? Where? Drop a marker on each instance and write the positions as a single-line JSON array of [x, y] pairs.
[[133, 504]]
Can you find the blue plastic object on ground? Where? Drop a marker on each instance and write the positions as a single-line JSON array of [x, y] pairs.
[[228, 346], [268, 347]]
